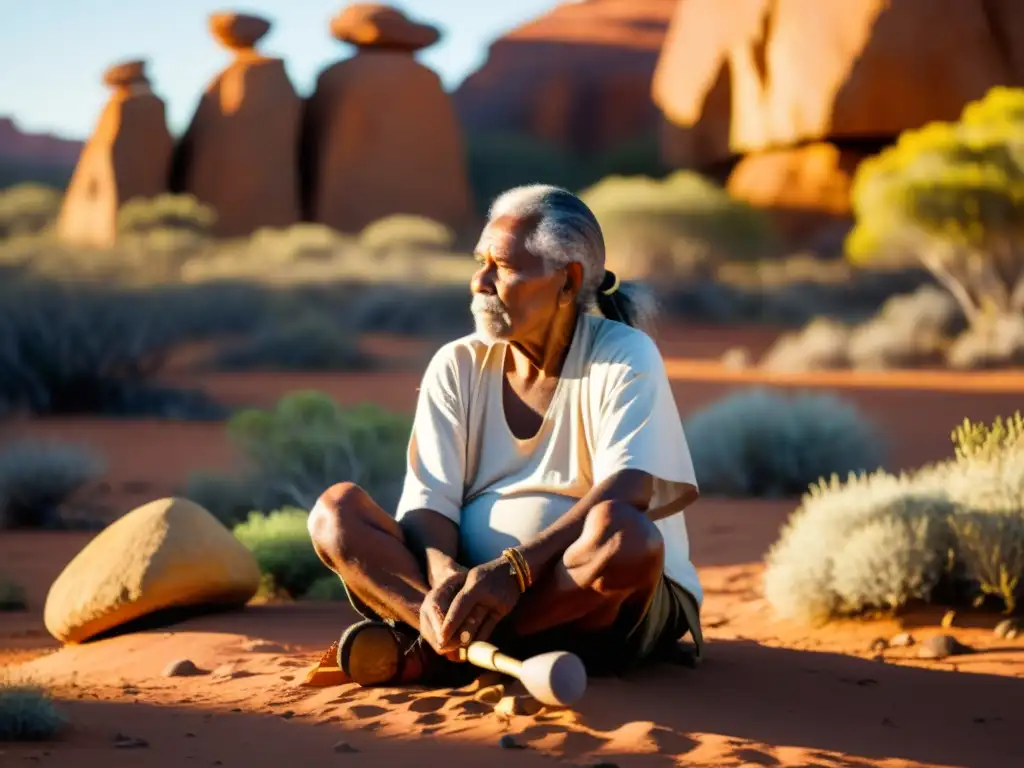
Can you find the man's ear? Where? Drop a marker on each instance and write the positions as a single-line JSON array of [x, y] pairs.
[[573, 278]]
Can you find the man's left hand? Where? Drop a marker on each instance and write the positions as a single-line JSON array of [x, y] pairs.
[[488, 595]]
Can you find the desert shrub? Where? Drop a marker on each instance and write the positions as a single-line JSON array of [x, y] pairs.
[[995, 344], [295, 451], [951, 532], [281, 544], [36, 477], [27, 209], [83, 349], [326, 589], [762, 443], [953, 195], [310, 343], [142, 215], [403, 231], [639, 156], [651, 225], [12, 595], [822, 344], [27, 712], [909, 331], [414, 310]]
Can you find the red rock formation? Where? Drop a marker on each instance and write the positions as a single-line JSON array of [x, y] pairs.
[[127, 156], [380, 134], [240, 153], [44, 148], [578, 76], [748, 76]]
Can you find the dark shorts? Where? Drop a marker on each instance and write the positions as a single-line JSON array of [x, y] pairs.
[[671, 614]]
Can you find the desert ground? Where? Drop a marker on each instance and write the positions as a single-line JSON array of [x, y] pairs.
[[767, 694]]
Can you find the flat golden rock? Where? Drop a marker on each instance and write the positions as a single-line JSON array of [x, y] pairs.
[[238, 30], [166, 554], [125, 73], [372, 25]]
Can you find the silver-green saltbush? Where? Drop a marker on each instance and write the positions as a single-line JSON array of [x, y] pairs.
[[879, 541]]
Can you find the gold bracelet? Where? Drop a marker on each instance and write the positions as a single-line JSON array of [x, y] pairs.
[[519, 559], [509, 555]]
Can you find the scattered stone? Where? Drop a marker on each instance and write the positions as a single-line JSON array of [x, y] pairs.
[[230, 672], [948, 619], [508, 742], [902, 640], [879, 644], [288, 714], [518, 705], [129, 742], [344, 748], [941, 646], [183, 668], [1007, 629], [189, 735], [236, 709]]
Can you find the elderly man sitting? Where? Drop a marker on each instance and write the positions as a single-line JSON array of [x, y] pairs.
[[547, 474]]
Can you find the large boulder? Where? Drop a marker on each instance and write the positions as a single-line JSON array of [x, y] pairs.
[[240, 154], [751, 75], [380, 135], [578, 77], [170, 553], [127, 156]]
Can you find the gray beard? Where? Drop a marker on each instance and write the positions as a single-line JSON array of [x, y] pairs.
[[492, 321]]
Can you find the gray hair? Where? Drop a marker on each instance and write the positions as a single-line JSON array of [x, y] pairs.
[[567, 231]]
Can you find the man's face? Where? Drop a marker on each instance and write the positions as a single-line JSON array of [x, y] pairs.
[[515, 298]]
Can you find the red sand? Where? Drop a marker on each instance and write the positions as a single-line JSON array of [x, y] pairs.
[[769, 693]]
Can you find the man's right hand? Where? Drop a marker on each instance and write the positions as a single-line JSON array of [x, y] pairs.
[[436, 603]]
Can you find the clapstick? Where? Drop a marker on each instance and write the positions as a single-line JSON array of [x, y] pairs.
[[557, 678]]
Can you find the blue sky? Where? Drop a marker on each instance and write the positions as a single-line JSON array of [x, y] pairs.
[[53, 52]]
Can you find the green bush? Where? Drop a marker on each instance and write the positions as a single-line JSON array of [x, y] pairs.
[[659, 226], [281, 544], [311, 343], [296, 450], [85, 349], [952, 194], [12, 595], [951, 532], [326, 589], [27, 713], [36, 477], [26, 209], [762, 443]]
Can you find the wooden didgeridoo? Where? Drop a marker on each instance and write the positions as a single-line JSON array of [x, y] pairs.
[[557, 678]]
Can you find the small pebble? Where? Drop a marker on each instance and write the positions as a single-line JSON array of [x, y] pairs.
[[902, 640], [343, 747], [518, 705], [879, 644], [941, 646], [183, 668], [1007, 629], [129, 742], [507, 742], [288, 714]]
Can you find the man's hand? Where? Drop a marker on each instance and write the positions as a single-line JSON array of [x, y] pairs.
[[436, 603], [488, 595]]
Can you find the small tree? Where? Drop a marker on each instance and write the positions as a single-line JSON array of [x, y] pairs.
[[953, 194]]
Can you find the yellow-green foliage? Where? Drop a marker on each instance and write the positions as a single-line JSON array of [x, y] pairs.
[[28, 208], [281, 544], [953, 530], [953, 194], [403, 231], [141, 215], [675, 220]]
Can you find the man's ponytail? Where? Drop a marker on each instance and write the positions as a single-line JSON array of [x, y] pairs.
[[627, 302]]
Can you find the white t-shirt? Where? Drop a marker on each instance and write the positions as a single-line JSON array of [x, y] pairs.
[[612, 410]]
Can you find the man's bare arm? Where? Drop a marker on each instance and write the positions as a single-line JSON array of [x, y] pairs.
[[434, 540]]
